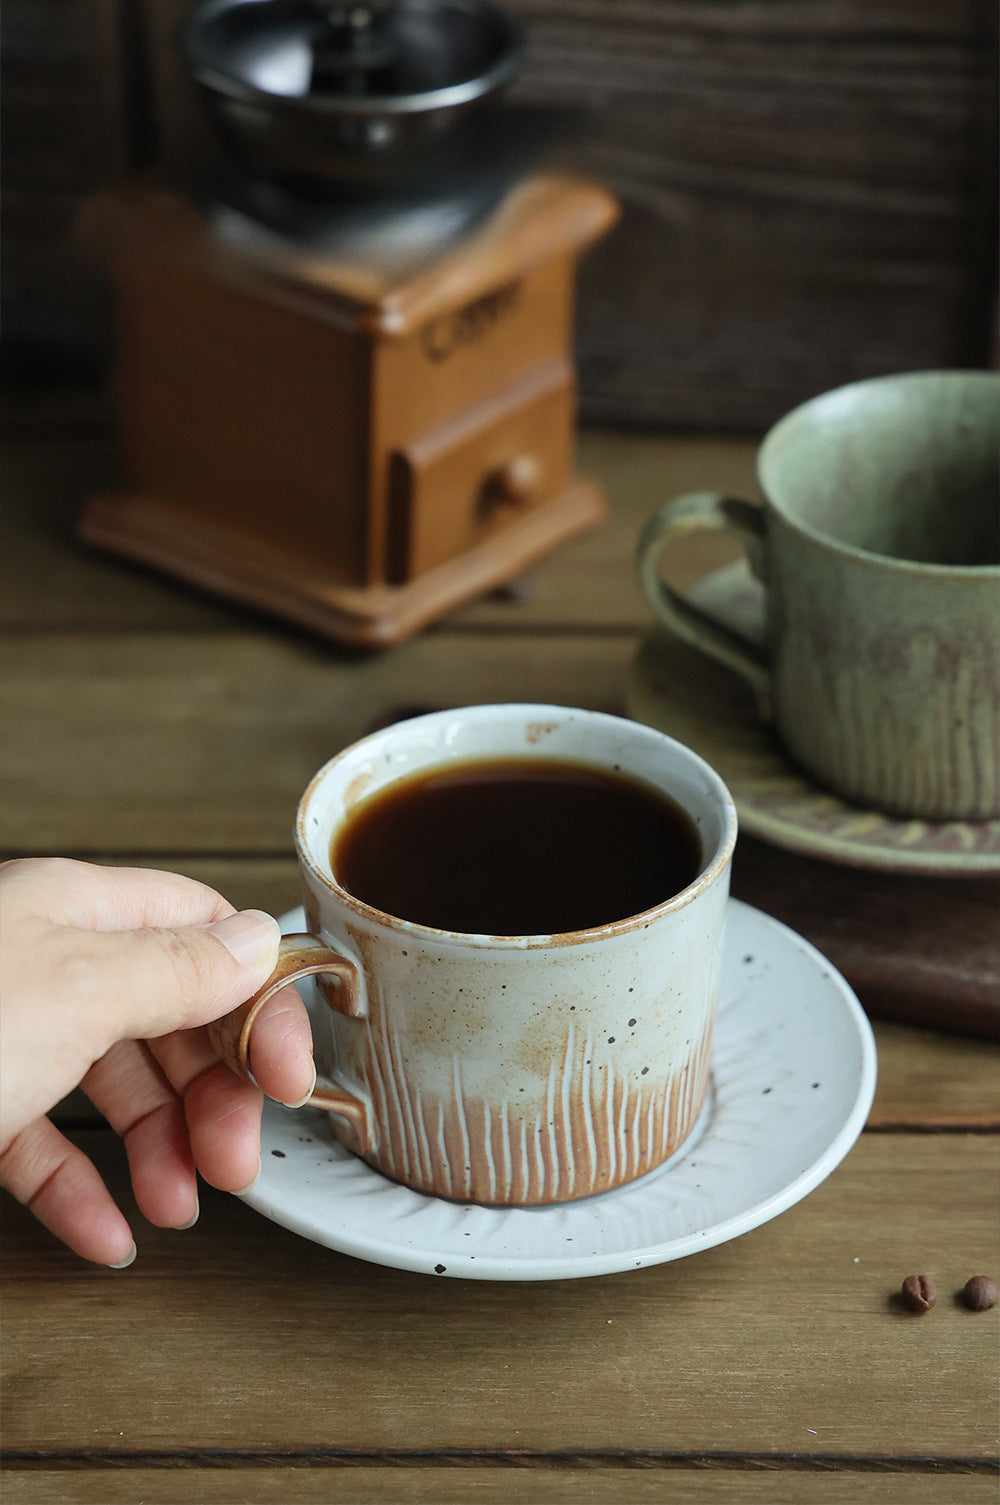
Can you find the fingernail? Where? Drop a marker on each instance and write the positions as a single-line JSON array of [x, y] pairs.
[[251, 937], [303, 1100], [129, 1259], [181, 1227], [250, 1184]]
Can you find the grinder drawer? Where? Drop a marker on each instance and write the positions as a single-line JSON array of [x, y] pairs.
[[454, 488]]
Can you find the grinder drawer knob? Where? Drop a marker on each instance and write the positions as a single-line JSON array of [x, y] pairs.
[[512, 484]]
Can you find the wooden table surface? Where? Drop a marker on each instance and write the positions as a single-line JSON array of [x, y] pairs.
[[239, 1362]]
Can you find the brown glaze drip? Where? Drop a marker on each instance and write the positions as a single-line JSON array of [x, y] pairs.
[[602, 1136]]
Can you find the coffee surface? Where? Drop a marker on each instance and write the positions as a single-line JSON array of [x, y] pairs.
[[516, 847]]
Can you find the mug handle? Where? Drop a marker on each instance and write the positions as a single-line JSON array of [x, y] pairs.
[[302, 956], [706, 512]]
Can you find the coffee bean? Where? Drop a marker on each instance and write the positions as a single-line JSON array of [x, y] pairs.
[[980, 1293], [919, 1293]]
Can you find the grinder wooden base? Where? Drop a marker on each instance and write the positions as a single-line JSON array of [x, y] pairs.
[[375, 616]]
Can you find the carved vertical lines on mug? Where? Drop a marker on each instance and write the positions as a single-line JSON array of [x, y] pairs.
[[503, 1148], [381, 1116], [672, 1109], [410, 1110], [611, 1124], [690, 1088], [565, 1156], [388, 1098], [521, 1180], [572, 1143], [440, 1140], [489, 1165], [588, 1136], [464, 1178], [691, 1083], [696, 1072], [981, 713], [650, 1121], [425, 1153], [942, 756], [962, 712], [635, 1130], [549, 1162]]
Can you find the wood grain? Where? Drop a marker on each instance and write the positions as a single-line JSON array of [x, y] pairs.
[[934, 1080], [239, 1335], [66, 132], [238, 1362], [178, 742], [809, 185], [483, 1485], [806, 187], [792, 177]]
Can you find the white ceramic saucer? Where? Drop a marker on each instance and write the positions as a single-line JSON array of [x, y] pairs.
[[793, 1076], [681, 692]]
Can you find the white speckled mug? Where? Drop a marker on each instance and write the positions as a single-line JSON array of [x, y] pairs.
[[510, 1069]]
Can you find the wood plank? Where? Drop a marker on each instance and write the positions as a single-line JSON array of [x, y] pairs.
[[934, 1080], [537, 1483], [49, 580], [184, 743], [786, 1343], [783, 170], [48, 407], [65, 133], [922, 949]]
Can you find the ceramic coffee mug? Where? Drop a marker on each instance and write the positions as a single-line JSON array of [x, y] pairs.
[[878, 547], [509, 1069]]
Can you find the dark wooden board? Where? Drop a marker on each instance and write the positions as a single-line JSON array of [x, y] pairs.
[[66, 130], [923, 950]]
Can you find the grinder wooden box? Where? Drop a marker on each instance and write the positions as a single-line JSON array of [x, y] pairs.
[[357, 447]]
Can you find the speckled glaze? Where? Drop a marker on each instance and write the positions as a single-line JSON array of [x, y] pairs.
[[516, 1070], [878, 546], [793, 1076]]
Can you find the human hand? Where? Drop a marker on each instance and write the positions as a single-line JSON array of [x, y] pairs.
[[108, 977]]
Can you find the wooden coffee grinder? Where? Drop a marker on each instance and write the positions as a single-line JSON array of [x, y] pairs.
[[344, 354]]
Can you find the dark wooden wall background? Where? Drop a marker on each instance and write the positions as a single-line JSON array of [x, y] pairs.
[[809, 186]]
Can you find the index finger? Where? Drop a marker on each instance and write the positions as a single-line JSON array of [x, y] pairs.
[[90, 896]]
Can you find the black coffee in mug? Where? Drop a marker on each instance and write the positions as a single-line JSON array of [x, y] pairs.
[[516, 847]]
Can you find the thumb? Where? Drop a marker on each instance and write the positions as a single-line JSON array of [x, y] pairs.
[[154, 980]]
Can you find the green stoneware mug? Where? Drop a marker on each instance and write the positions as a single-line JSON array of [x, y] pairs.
[[878, 545]]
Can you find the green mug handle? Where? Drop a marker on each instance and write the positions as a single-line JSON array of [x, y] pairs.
[[706, 512]]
